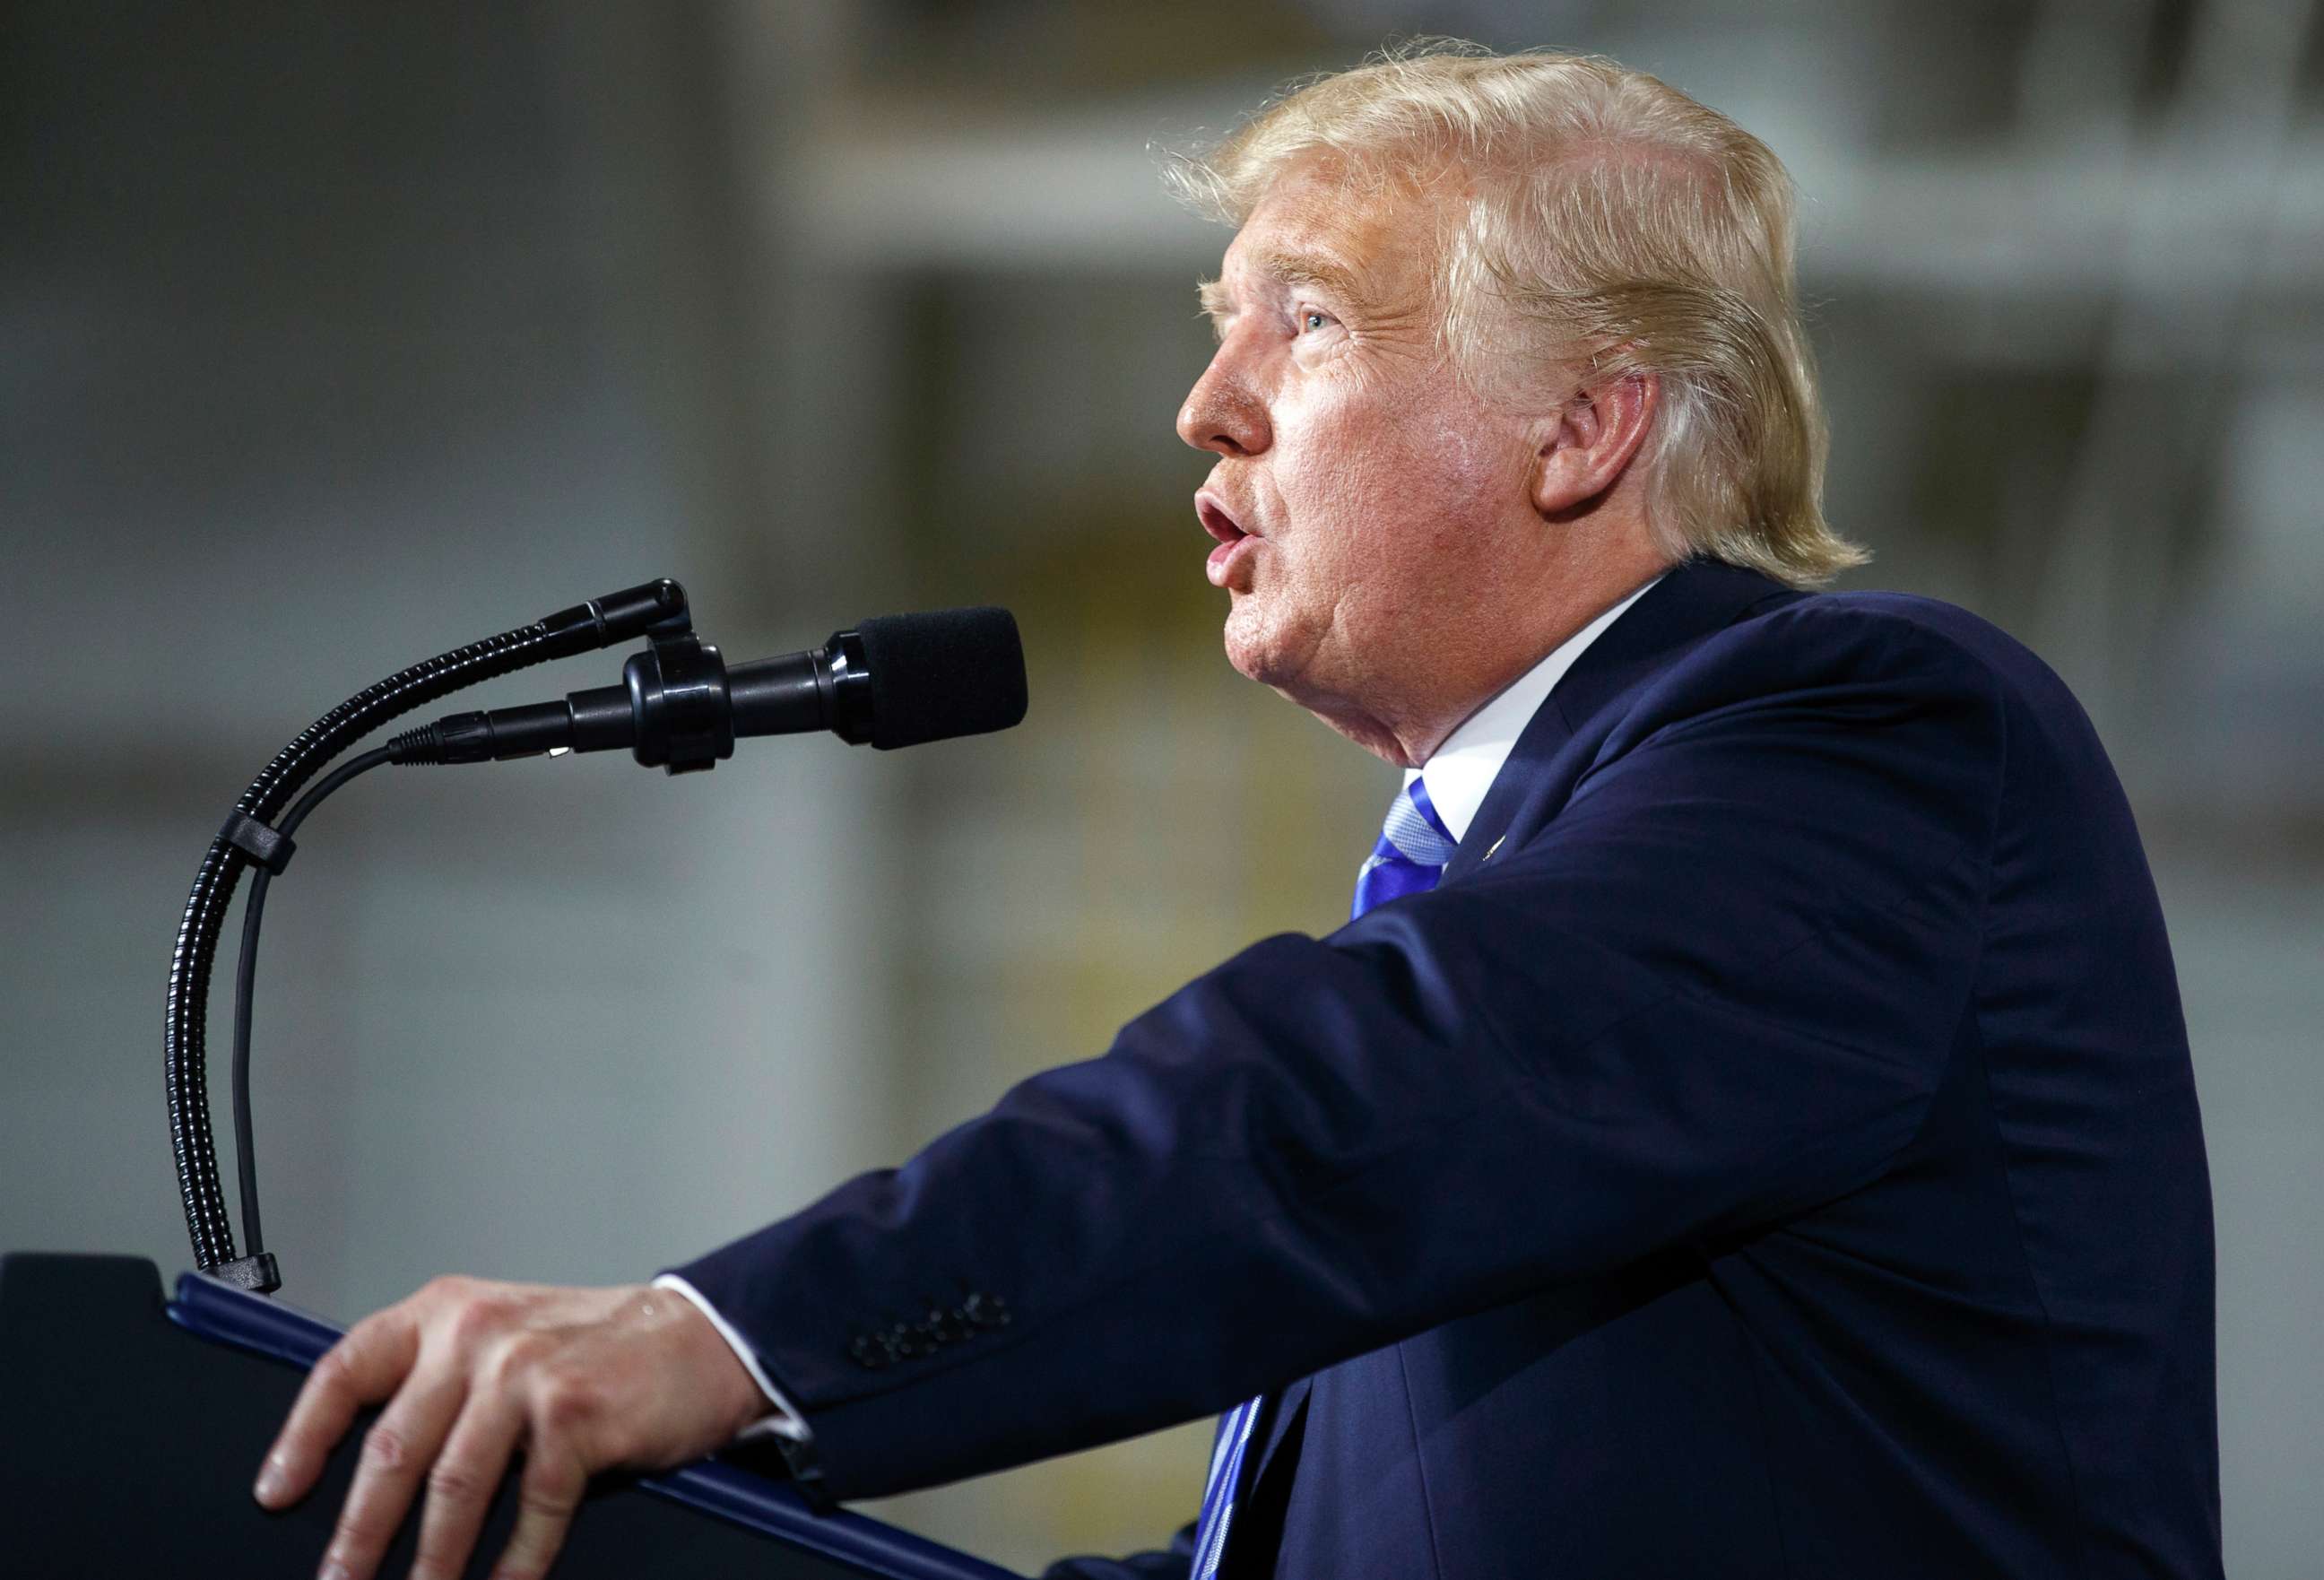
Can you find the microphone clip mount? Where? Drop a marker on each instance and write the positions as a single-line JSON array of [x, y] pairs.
[[678, 698]]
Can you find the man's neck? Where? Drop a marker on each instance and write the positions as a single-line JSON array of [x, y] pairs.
[[1462, 770], [1495, 663]]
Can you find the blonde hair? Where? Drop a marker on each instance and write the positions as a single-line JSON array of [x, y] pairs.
[[1608, 219]]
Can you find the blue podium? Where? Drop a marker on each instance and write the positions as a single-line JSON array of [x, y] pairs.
[[131, 1428]]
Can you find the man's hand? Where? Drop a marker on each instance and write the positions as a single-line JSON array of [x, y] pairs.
[[580, 1380]]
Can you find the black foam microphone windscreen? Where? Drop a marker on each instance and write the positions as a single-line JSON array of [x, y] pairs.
[[949, 672]]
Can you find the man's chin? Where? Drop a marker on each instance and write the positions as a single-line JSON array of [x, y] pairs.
[[1254, 647], [1263, 650]]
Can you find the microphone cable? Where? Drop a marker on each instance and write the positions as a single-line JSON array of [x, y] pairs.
[[245, 972]]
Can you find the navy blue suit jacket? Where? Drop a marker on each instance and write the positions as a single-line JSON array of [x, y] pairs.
[[1771, 1151]]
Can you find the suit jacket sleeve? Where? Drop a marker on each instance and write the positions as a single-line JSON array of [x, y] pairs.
[[1716, 988]]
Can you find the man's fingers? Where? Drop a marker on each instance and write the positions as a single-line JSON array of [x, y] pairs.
[[554, 1480], [397, 1452], [364, 1367], [560, 1372], [460, 1488]]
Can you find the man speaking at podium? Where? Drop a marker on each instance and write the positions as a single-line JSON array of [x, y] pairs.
[[1747, 1129]]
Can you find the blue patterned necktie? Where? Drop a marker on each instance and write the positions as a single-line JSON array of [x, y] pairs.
[[1410, 853], [1408, 858]]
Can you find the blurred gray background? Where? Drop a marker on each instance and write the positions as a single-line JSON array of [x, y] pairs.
[[331, 337]]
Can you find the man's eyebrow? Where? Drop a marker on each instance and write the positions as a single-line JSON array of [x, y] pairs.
[[1287, 269], [1310, 269]]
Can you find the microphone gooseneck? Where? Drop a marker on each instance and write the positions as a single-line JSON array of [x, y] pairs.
[[247, 837]]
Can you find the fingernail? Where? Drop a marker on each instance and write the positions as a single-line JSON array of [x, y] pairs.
[[270, 1481], [334, 1569]]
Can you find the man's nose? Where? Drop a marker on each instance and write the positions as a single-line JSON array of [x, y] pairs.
[[1222, 413]]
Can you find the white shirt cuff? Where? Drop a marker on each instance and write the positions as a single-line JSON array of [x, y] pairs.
[[786, 1422]]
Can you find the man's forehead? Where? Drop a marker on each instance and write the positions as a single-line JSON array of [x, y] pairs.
[[1308, 231]]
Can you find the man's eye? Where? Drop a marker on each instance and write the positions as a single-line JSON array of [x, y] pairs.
[[1313, 319]]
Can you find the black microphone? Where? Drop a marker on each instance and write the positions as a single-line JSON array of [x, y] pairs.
[[896, 680]]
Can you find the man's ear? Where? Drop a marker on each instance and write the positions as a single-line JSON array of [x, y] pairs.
[[1591, 440]]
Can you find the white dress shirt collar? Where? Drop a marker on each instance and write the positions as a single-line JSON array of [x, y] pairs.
[[1465, 766]]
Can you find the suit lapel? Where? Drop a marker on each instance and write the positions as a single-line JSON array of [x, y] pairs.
[[1694, 600]]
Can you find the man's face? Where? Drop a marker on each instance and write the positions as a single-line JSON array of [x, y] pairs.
[[1361, 497]]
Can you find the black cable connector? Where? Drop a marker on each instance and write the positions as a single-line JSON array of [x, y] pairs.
[[509, 732]]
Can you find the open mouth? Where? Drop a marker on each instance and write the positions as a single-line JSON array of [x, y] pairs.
[[1231, 538], [1216, 521]]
